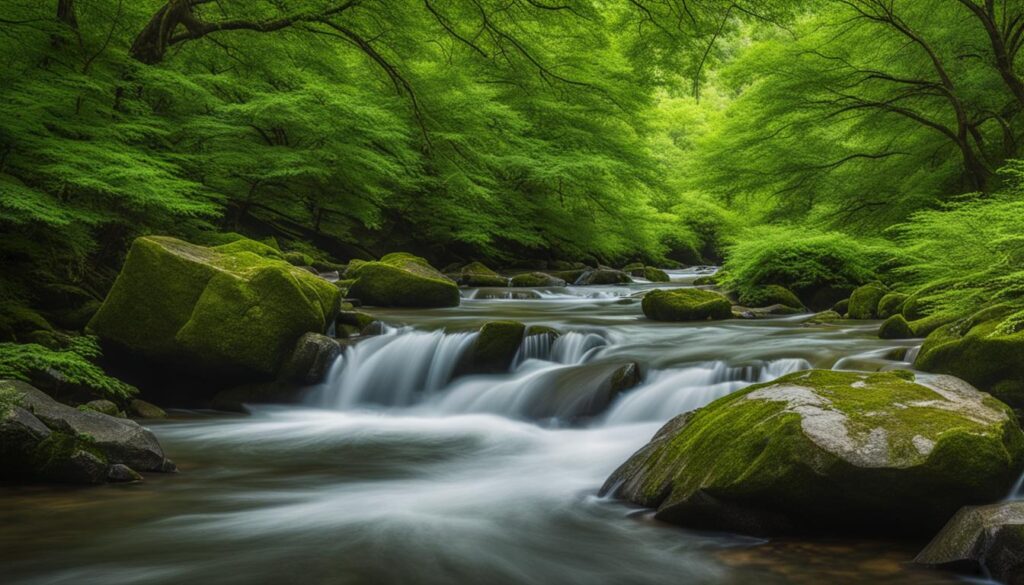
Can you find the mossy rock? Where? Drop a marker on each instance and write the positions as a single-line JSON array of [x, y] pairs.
[[924, 326], [251, 246], [864, 301], [569, 276], [495, 348], [891, 304], [401, 280], [842, 307], [981, 351], [771, 294], [829, 451], [655, 274], [824, 317], [298, 259], [895, 327], [358, 319], [685, 304], [477, 274], [535, 279], [603, 276], [563, 265], [220, 310], [543, 330], [351, 268], [705, 281], [634, 266]]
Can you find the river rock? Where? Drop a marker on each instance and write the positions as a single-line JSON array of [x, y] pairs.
[[983, 540], [536, 279], [772, 294], [603, 276], [103, 406], [234, 310], [829, 451], [864, 301], [494, 349], [685, 304], [983, 349], [476, 274], [312, 357], [895, 327], [401, 280], [142, 409], [46, 440], [891, 304], [655, 274]]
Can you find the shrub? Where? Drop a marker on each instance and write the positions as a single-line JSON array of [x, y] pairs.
[[74, 363]]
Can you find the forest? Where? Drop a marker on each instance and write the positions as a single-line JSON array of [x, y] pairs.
[[574, 216]]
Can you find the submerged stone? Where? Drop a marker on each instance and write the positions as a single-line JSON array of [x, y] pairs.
[[829, 451], [235, 309], [401, 280], [685, 304]]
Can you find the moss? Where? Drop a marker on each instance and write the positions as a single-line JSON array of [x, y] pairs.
[[9, 397], [842, 307], [685, 304], [974, 349], [535, 279], [402, 280], [705, 281], [923, 327], [633, 266], [750, 461], [357, 319], [771, 294], [298, 259], [895, 327], [864, 301], [542, 330], [824, 317], [496, 346], [477, 274], [223, 309], [656, 275], [603, 276], [891, 304], [253, 247]]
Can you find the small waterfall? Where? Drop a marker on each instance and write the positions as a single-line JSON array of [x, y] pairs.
[[398, 368], [534, 347], [569, 348], [667, 393]]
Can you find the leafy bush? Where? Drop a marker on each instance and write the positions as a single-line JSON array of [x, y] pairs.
[[21, 361], [969, 253], [800, 259]]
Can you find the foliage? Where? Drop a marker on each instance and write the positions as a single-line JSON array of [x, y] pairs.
[[969, 254], [800, 259], [75, 363]]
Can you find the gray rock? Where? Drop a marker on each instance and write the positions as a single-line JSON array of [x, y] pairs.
[[981, 540], [313, 355], [119, 440], [122, 473], [103, 406], [29, 451], [142, 409]]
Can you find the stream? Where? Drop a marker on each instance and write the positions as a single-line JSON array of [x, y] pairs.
[[393, 472]]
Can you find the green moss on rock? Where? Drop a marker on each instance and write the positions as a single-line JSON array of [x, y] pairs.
[[771, 294], [895, 327], [477, 274], [864, 301], [977, 350], [891, 304], [829, 451], [534, 279], [495, 347], [655, 274], [401, 280], [685, 304], [235, 308]]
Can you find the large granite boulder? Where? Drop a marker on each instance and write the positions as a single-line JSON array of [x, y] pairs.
[[237, 308], [401, 280], [829, 451]]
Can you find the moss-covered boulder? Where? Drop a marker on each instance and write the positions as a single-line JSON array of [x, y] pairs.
[[985, 541], [235, 309], [603, 276], [842, 307], [685, 304], [828, 451], [656, 274], [985, 349], [824, 317], [534, 279], [401, 280], [864, 301], [895, 327], [771, 294], [494, 349], [311, 359], [891, 304], [477, 274], [569, 276]]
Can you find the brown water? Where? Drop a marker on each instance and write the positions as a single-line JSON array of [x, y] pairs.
[[426, 480]]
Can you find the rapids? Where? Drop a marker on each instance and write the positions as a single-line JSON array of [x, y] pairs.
[[396, 470]]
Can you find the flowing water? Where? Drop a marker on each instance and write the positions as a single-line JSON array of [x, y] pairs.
[[398, 470]]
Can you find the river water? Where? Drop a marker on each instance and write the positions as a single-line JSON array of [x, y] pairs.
[[392, 472]]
